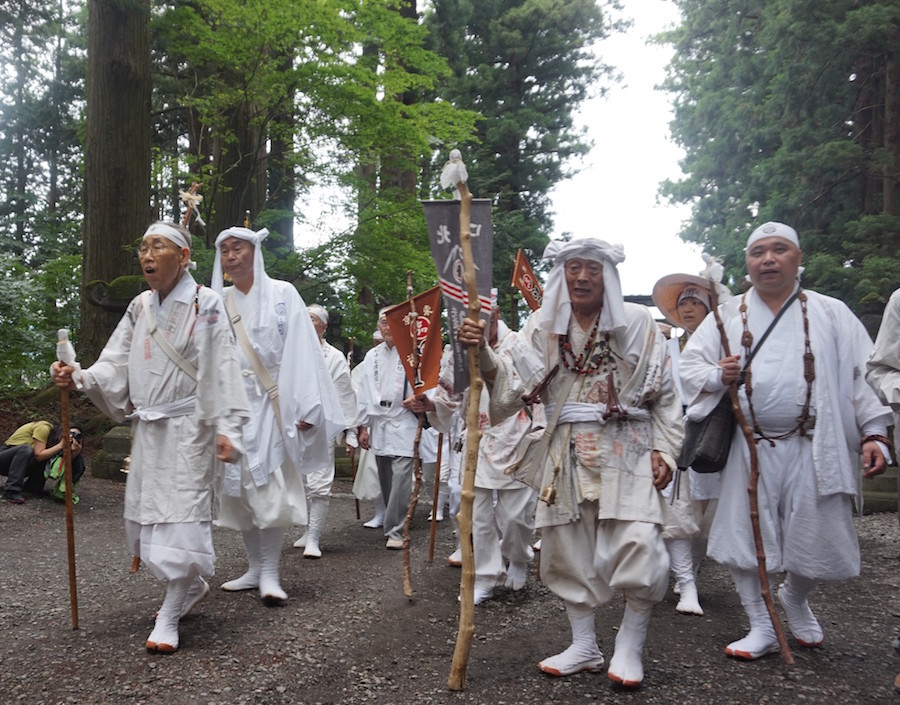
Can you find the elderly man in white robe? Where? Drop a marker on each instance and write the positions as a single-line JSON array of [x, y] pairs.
[[182, 391], [295, 412], [319, 483], [612, 451], [806, 398], [503, 508]]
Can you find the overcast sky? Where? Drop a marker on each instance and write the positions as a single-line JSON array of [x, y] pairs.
[[614, 196]]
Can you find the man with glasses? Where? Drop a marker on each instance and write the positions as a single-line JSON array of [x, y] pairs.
[[171, 368]]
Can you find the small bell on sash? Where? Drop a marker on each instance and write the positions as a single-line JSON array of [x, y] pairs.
[[548, 496]]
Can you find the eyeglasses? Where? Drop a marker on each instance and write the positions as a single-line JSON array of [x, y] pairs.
[[76, 435], [158, 247]]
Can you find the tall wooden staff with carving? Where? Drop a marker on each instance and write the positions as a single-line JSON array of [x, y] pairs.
[[752, 491], [65, 353], [354, 455], [455, 172], [417, 463]]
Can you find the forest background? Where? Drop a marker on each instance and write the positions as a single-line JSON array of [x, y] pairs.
[[785, 109]]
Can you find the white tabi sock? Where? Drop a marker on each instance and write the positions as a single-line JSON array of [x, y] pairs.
[[626, 667], [515, 575], [164, 637], [269, 558], [318, 512], [761, 639], [250, 579], [803, 623], [583, 654]]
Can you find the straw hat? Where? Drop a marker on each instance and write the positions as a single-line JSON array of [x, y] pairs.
[[667, 290]]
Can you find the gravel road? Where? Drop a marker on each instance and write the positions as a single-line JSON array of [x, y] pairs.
[[348, 635]]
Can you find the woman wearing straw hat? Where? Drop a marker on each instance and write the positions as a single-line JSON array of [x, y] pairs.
[[684, 300]]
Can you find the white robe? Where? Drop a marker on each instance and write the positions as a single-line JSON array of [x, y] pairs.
[[503, 508], [805, 485], [607, 463], [265, 489], [319, 483], [173, 469], [691, 514], [379, 399], [883, 367]]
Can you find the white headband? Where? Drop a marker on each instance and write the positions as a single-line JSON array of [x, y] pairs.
[[167, 231], [773, 229], [319, 312], [695, 292], [172, 235]]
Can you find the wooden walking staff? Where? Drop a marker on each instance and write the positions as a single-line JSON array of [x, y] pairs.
[[354, 456], [65, 353], [752, 490], [436, 498], [457, 679], [417, 463]]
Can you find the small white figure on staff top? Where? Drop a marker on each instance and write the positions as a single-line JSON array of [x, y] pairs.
[[65, 352], [454, 173]]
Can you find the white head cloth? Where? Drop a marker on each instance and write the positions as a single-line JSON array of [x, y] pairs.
[[553, 316], [319, 312], [172, 235], [255, 238], [773, 229]]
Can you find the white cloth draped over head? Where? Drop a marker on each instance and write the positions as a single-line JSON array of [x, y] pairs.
[[279, 327], [556, 309], [255, 238], [172, 235]]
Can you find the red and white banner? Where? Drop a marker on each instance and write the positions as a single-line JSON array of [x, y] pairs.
[[418, 338], [526, 282]]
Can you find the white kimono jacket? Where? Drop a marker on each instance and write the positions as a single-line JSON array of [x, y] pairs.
[[175, 419], [279, 328], [883, 368], [501, 444], [607, 462], [805, 486], [379, 400]]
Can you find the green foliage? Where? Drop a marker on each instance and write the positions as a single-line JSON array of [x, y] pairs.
[[525, 66], [780, 108]]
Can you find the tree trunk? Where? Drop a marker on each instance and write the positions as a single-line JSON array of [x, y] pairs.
[[282, 181], [240, 182], [891, 204], [117, 153]]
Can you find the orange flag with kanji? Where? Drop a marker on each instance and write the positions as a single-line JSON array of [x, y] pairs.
[[418, 338], [525, 281]]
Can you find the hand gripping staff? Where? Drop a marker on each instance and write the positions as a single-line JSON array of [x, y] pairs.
[[65, 353], [455, 173], [752, 491]]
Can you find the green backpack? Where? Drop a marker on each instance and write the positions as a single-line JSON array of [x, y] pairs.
[[53, 470]]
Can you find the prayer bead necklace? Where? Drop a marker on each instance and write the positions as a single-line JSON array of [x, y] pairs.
[[809, 374], [585, 363]]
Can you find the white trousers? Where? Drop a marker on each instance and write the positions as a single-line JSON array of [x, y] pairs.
[[501, 531], [586, 561], [173, 551], [319, 483], [281, 502]]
